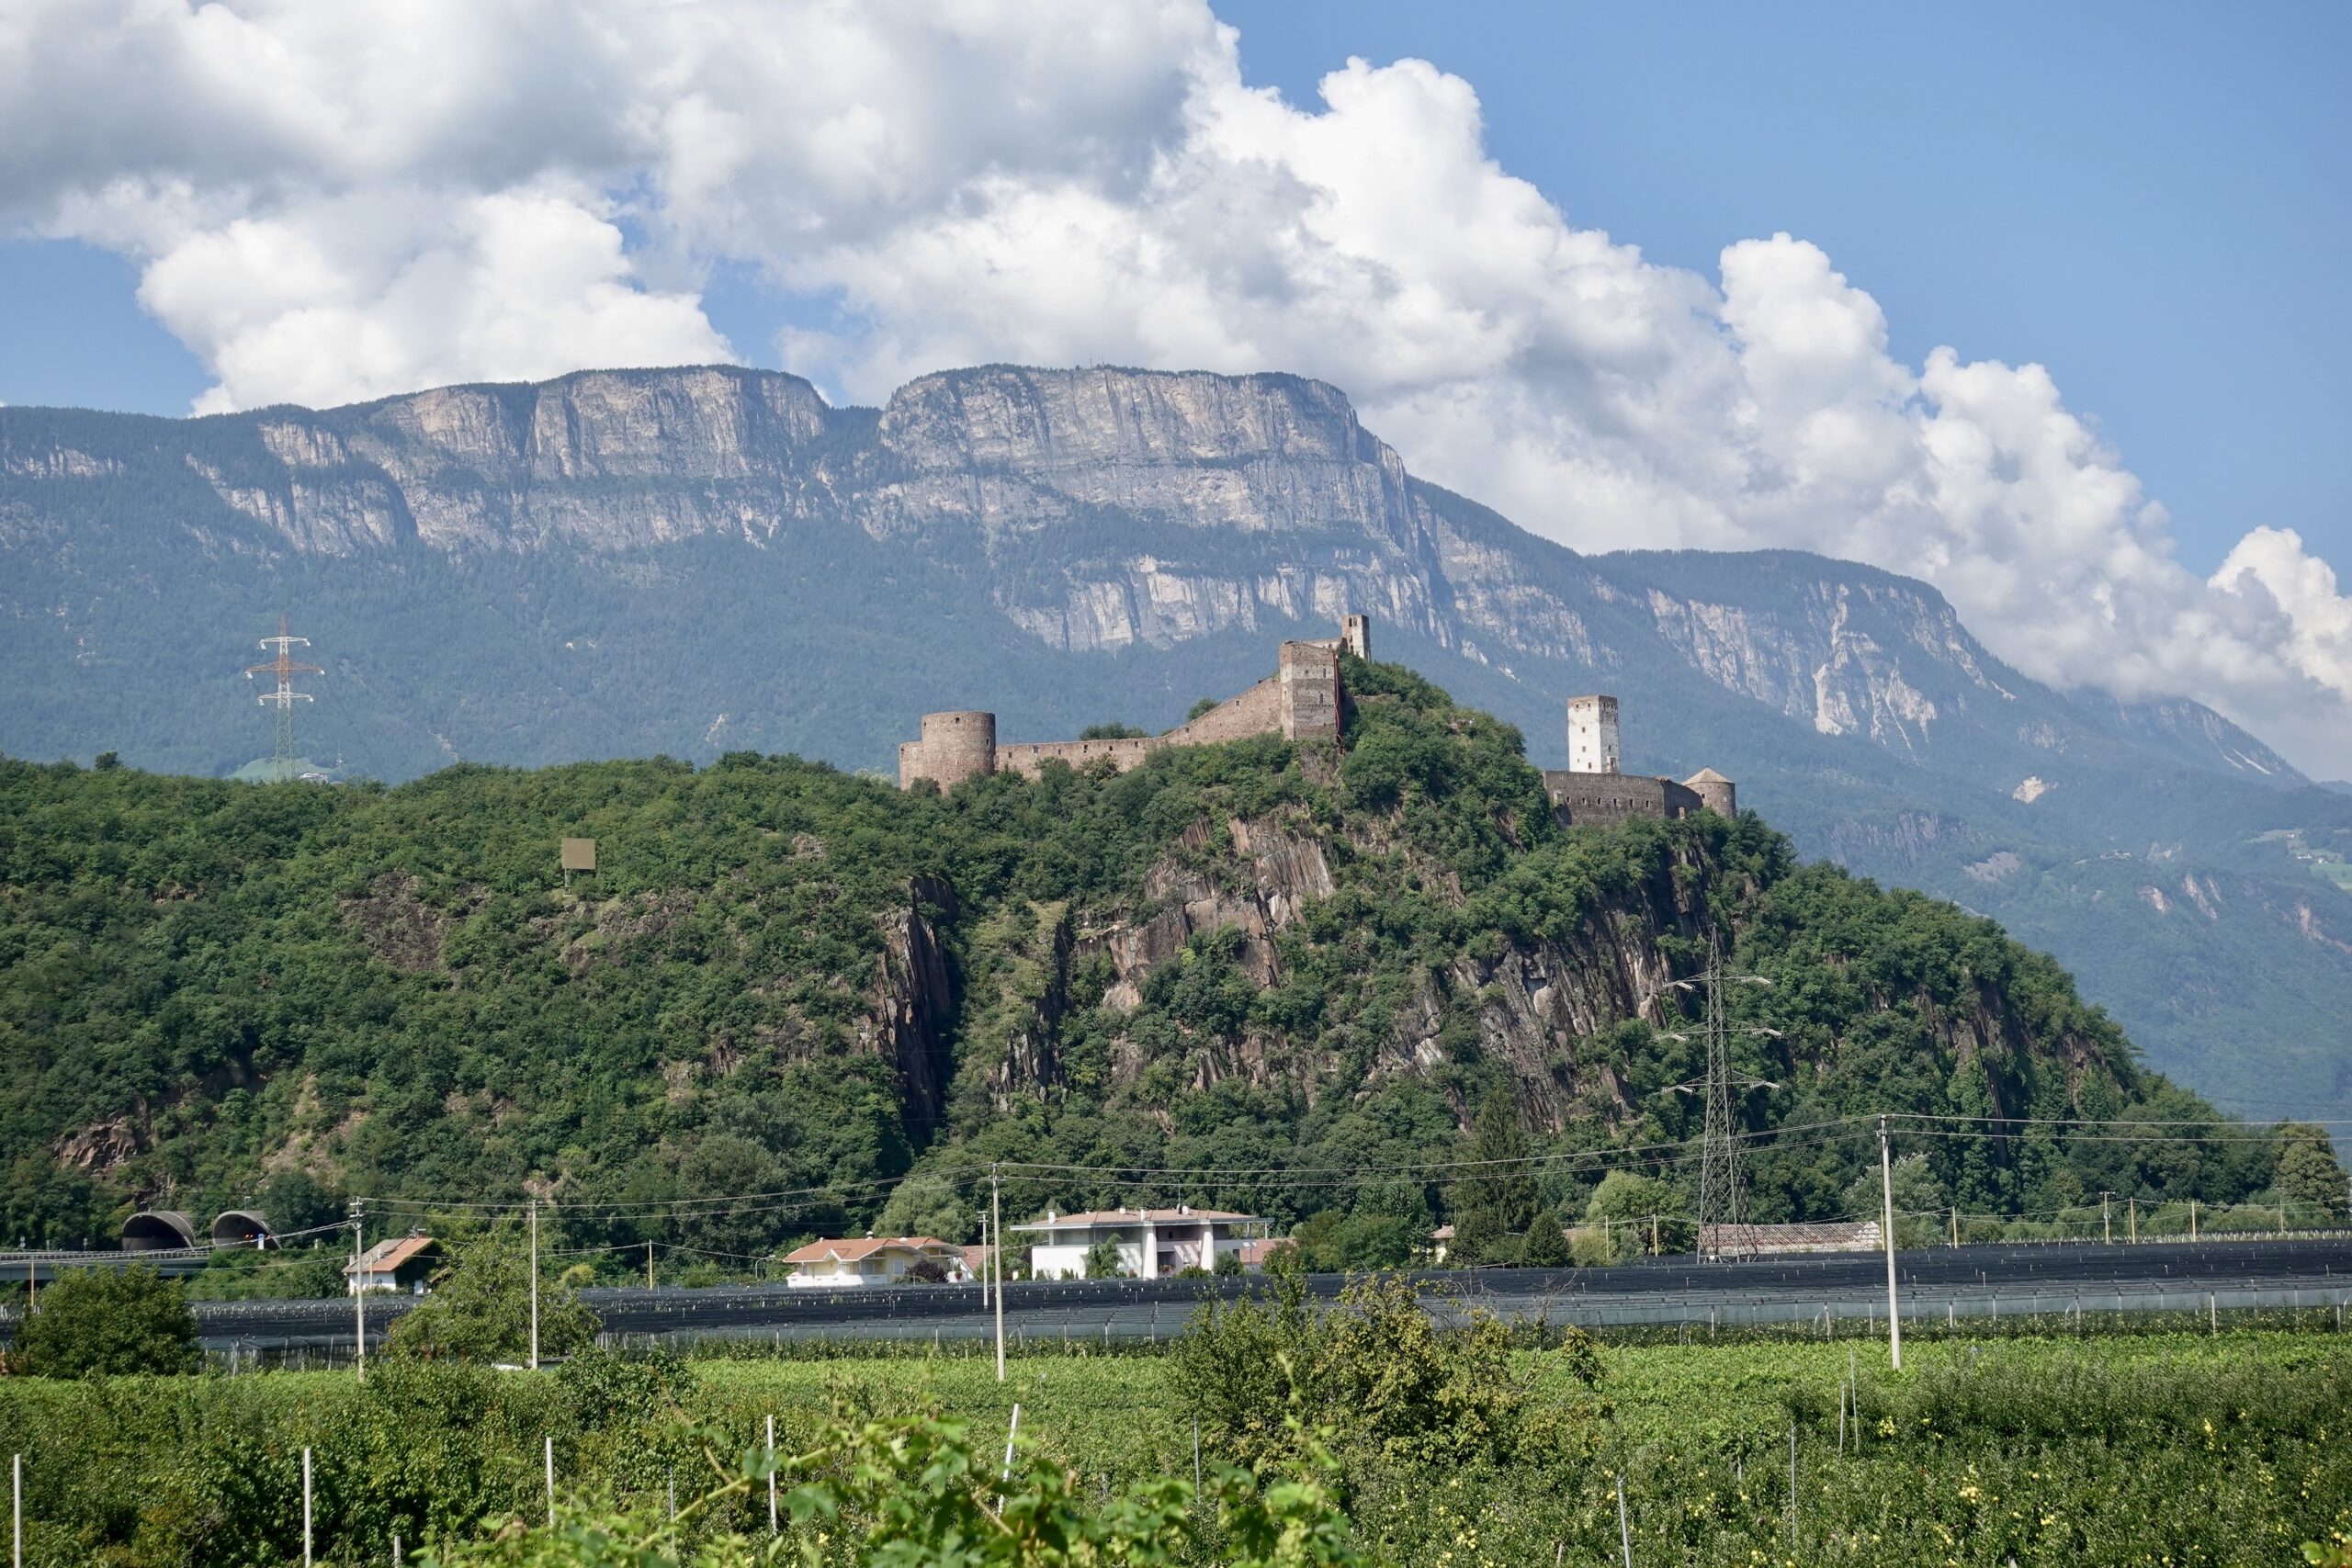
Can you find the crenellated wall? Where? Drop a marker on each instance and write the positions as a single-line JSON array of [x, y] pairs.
[[1302, 700]]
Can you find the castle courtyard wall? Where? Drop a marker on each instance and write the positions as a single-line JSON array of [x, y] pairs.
[[1604, 800]]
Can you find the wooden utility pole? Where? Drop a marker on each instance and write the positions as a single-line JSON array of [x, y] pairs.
[[1894, 1302], [2192, 1219], [2131, 1216], [649, 1263], [1955, 1225], [2105, 1219]]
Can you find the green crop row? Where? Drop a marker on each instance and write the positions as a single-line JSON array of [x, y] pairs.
[[2213, 1449]]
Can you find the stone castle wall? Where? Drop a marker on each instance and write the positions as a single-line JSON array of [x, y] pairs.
[[1602, 800], [1302, 700]]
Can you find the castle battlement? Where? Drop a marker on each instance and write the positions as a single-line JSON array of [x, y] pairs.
[[1305, 700], [1302, 700]]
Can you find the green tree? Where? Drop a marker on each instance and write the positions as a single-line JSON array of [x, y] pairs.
[[1623, 1207], [1494, 1199], [928, 1203], [1103, 1260], [1546, 1245], [481, 1307], [1921, 1201], [2308, 1171], [109, 1322]]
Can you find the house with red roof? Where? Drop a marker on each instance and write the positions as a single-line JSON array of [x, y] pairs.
[[397, 1263], [839, 1263]]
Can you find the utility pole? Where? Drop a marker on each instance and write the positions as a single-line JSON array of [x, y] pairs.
[[2131, 1216], [534, 1284], [359, 1287], [2192, 1219], [284, 696], [1955, 1226], [649, 1263], [996, 1213], [1886, 1193], [2106, 1220]]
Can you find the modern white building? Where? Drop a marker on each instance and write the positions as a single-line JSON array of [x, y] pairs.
[[1153, 1243], [837, 1263]]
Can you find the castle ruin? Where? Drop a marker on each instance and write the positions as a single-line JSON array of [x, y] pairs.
[[1304, 700], [1590, 791]]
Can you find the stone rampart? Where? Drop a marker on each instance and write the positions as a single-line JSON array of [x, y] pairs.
[[1602, 800], [1258, 711], [1027, 757], [1302, 700]]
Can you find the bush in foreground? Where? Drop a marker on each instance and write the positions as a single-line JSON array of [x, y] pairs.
[[109, 1322], [917, 1490]]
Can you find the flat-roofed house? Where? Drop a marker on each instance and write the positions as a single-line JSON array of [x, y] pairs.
[[1152, 1243], [398, 1263], [839, 1263]]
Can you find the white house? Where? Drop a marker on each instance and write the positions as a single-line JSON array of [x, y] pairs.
[[401, 1263], [835, 1264], [1153, 1243]]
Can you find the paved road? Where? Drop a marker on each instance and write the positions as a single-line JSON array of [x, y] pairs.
[[1969, 1282]]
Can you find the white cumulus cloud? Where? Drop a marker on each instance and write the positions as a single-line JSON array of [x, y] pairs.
[[340, 202]]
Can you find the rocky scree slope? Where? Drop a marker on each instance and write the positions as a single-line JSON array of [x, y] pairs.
[[693, 562]]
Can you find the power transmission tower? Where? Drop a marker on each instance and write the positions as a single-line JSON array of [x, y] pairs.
[[1718, 1148], [1719, 1210], [285, 696]]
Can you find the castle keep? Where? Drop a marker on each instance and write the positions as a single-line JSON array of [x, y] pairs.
[[1304, 699], [1590, 790]]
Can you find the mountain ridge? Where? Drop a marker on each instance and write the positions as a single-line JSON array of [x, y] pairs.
[[712, 558]]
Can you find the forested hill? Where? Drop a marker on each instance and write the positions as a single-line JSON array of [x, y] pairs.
[[698, 560], [1240, 958]]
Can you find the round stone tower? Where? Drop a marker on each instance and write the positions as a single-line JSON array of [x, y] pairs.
[[959, 745], [1716, 792]]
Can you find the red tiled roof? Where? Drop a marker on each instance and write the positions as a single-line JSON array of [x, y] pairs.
[[387, 1255], [849, 1251]]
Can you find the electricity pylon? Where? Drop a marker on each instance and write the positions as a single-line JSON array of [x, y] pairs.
[[1719, 1206], [285, 696]]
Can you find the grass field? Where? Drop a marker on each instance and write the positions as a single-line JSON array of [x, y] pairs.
[[2185, 1449]]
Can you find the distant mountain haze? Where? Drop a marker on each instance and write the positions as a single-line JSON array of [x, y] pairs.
[[710, 560]]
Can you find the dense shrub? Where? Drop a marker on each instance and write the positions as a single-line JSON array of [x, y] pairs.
[[1375, 1375], [481, 1307], [108, 1321]]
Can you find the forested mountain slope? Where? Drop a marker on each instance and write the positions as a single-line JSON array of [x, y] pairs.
[[698, 561], [783, 977]]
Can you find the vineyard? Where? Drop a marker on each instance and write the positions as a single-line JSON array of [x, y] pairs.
[[2208, 1447]]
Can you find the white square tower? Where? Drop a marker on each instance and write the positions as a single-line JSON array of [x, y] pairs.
[[1592, 734]]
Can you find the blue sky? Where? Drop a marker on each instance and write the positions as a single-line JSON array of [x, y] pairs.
[[2153, 199], [1956, 291], [2150, 199]]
